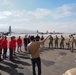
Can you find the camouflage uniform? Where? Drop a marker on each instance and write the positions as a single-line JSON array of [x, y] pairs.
[[62, 42], [51, 41], [71, 41], [56, 42]]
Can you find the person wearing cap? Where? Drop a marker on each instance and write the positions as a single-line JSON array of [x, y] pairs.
[[70, 72], [34, 50], [14, 42], [11, 48], [5, 46], [19, 43]]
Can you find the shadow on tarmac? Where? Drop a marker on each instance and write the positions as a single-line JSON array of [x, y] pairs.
[[47, 62], [10, 69]]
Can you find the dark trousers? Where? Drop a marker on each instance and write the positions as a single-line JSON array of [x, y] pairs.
[[19, 47], [25, 46], [36, 61], [11, 54], [4, 52]]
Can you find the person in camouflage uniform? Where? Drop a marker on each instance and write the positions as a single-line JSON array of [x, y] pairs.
[[71, 41], [62, 42], [51, 41], [56, 41]]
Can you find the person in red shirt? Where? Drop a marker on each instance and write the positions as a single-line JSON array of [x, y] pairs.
[[4, 45], [14, 42], [2, 40], [0, 48], [19, 43], [11, 48]]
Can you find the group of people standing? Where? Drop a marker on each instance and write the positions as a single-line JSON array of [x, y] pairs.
[[14, 44], [6, 44], [69, 43], [34, 49], [17, 43], [56, 41], [32, 45]]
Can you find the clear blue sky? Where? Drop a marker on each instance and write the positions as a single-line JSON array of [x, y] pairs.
[[42, 15]]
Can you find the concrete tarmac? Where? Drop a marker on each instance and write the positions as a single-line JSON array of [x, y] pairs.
[[54, 62]]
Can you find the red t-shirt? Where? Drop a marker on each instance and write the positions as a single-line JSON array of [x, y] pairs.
[[11, 45], [4, 43], [14, 42], [19, 41]]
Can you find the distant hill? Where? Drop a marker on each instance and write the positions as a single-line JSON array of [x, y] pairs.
[[23, 31]]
